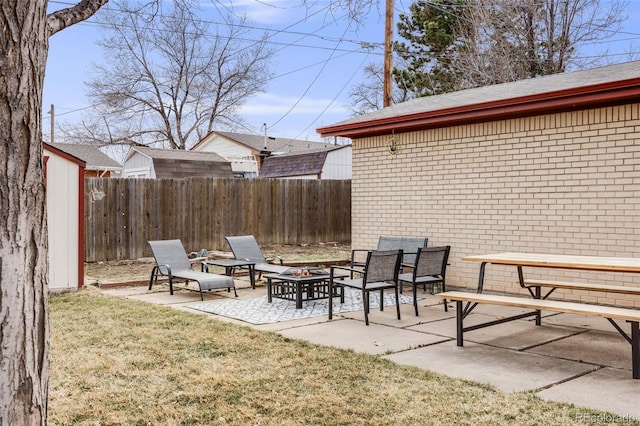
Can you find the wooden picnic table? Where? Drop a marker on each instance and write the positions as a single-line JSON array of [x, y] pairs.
[[538, 303]]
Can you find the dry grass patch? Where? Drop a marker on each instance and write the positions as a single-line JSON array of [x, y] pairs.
[[140, 269], [116, 361]]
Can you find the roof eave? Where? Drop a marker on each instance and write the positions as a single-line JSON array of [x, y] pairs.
[[551, 102]]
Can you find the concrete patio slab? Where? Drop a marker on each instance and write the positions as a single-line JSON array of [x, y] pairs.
[[593, 346], [563, 357], [582, 321], [388, 316], [374, 339], [505, 369], [517, 335], [607, 389]]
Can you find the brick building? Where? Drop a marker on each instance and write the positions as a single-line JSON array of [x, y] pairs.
[[545, 165]]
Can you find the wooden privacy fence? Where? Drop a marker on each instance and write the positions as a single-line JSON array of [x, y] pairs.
[[202, 211]]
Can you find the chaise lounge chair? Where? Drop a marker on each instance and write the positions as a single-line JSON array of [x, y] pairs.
[[245, 247], [172, 261]]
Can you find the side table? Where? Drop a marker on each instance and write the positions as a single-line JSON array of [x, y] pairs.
[[230, 265]]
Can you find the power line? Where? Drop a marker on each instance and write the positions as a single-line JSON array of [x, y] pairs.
[[310, 84]]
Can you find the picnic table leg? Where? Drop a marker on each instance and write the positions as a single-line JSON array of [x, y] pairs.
[[459, 328], [635, 349], [481, 276], [535, 295]]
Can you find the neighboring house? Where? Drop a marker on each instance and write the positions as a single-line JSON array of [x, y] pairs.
[[247, 152], [544, 165], [64, 180], [143, 162], [334, 163], [98, 163]]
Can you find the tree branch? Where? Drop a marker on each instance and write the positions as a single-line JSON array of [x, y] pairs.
[[63, 18]]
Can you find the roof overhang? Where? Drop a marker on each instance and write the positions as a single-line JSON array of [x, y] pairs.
[[599, 95], [65, 155]]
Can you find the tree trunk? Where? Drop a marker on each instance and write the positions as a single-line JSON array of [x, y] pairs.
[[24, 322]]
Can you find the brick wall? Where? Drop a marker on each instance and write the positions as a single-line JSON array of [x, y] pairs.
[[566, 183]]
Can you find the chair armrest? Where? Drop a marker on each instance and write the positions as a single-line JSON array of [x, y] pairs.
[[269, 259], [165, 266], [353, 254], [346, 268]]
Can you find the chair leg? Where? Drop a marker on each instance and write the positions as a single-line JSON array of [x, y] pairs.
[[330, 299], [397, 301], [446, 308], [171, 285], [153, 277], [382, 299], [415, 298], [365, 300]]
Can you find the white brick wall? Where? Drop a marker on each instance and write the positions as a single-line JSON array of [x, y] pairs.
[[564, 183]]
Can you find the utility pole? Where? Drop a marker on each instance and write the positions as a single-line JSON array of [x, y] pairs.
[[387, 96], [265, 135], [52, 113]]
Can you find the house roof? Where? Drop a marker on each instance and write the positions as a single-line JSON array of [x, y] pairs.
[[174, 163], [610, 85], [273, 145], [297, 164], [177, 154], [293, 165], [92, 156]]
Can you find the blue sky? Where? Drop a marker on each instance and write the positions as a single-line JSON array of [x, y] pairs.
[[320, 57]]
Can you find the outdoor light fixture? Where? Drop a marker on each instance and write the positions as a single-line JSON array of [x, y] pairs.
[[393, 145]]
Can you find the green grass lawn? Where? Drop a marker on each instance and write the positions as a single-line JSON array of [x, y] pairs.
[[120, 362]]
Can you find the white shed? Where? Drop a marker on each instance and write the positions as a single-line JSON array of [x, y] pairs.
[[64, 178]]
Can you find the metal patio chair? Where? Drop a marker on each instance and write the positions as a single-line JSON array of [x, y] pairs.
[[380, 273], [172, 261], [408, 245], [429, 269]]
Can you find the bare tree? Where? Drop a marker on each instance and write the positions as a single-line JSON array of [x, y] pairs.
[[367, 96], [24, 320], [459, 44], [512, 40], [169, 80]]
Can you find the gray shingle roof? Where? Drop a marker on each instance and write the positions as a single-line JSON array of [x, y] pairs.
[[95, 159], [283, 145], [178, 154], [555, 83], [175, 163], [293, 164]]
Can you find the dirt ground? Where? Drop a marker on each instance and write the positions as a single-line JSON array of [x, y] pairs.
[[140, 269]]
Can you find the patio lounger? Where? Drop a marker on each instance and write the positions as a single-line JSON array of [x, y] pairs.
[[172, 261], [245, 247]]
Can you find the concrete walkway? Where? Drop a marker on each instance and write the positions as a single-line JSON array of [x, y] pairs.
[[574, 359]]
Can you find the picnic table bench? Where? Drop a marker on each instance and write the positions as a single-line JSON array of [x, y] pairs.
[[539, 303], [608, 312]]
